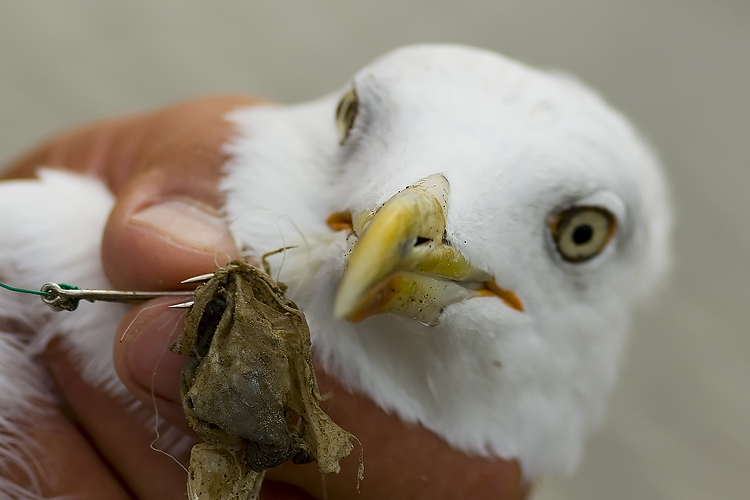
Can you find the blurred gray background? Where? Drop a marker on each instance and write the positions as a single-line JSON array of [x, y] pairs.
[[679, 424]]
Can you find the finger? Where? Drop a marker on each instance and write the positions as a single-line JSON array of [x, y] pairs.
[[401, 461], [66, 462], [122, 438], [144, 363], [167, 224], [161, 232]]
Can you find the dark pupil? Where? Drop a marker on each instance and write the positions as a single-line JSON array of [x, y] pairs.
[[582, 234]]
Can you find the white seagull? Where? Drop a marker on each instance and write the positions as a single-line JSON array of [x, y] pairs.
[[469, 236]]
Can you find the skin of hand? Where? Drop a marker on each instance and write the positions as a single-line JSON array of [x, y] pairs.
[[163, 168]]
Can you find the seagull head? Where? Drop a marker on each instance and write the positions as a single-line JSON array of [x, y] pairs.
[[467, 237]]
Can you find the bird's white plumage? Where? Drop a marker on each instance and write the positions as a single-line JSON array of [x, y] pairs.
[[516, 146]]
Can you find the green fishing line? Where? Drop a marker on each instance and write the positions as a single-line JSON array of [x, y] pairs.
[[23, 290], [36, 292]]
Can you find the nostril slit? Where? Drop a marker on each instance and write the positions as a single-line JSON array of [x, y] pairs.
[[422, 241]]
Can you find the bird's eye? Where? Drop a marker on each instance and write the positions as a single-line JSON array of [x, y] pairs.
[[581, 233], [346, 113]]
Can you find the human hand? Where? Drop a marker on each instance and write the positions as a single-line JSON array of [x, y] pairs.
[[164, 168]]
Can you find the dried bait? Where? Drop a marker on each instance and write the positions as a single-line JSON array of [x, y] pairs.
[[249, 388]]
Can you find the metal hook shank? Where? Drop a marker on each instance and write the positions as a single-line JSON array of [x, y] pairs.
[[62, 299]]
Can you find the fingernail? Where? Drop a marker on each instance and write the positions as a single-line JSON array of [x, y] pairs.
[[188, 223], [150, 362]]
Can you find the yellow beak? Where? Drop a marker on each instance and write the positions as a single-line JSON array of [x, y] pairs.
[[403, 265]]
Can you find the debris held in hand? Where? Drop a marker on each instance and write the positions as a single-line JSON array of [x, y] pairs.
[[249, 387]]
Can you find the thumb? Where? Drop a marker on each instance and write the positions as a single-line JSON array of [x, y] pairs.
[[162, 231], [167, 223]]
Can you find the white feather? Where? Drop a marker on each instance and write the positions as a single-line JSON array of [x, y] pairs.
[[516, 144]]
